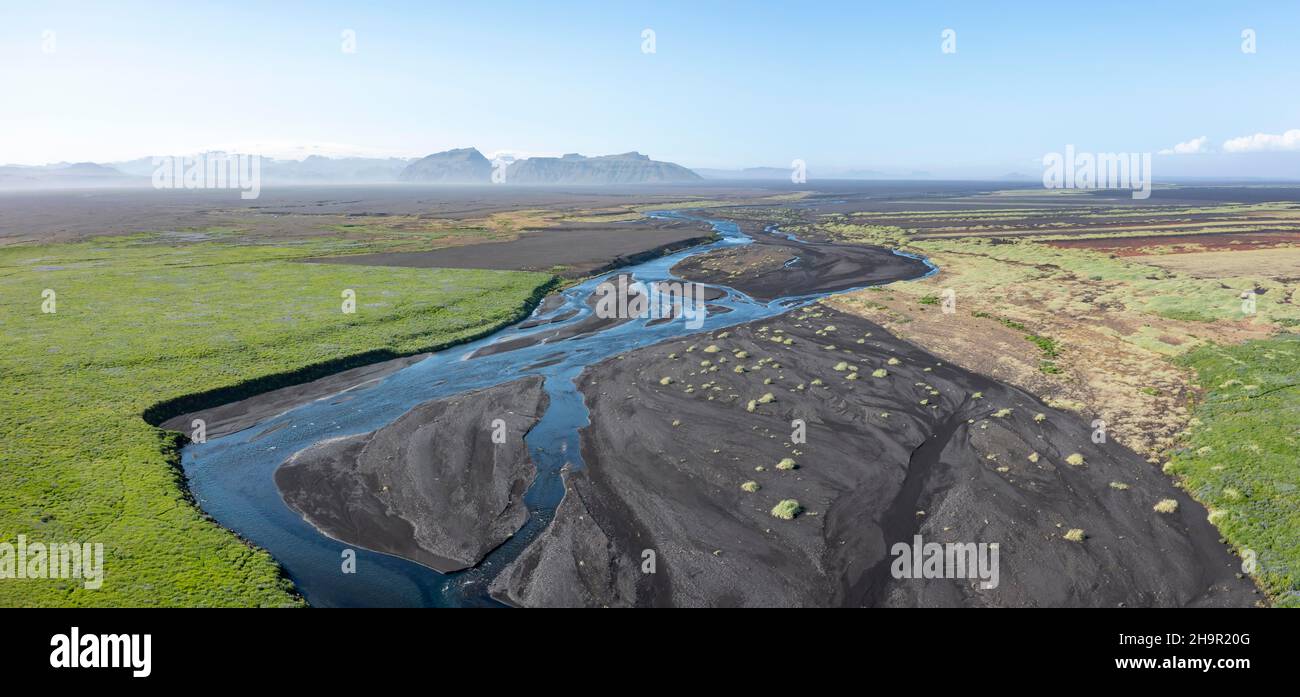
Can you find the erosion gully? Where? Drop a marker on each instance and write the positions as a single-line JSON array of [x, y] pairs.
[[232, 477]]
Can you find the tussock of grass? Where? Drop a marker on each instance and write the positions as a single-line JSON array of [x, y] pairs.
[[1074, 459], [1075, 535], [1120, 486], [750, 486], [787, 509], [786, 464], [767, 398], [1166, 506], [879, 373]]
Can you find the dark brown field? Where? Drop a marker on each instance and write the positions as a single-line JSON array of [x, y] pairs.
[[1177, 244], [572, 251]]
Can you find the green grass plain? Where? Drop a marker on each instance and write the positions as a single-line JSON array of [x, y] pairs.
[[142, 320], [1240, 457]]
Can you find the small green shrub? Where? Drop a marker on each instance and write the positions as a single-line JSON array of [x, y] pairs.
[[787, 509]]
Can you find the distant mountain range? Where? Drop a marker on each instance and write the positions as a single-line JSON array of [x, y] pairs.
[[459, 166], [626, 168], [315, 169], [78, 175], [469, 166]]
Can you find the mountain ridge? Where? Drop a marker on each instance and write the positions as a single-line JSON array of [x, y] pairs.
[[469, 166]]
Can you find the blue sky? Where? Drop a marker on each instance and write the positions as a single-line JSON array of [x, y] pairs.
[[839, 85]]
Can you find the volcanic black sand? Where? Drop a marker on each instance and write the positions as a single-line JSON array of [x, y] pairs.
[[573, 251], [928, 449], [433, 486], [774, 267]]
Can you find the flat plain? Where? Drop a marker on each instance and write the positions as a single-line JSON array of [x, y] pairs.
[[1170, 321]]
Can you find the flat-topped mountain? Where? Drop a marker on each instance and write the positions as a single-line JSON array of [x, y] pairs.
[[459, 166], [316, 168], [469, 166], [626, 168]]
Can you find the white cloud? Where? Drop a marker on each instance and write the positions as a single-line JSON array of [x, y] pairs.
[[1194, 146], [1263, 142]]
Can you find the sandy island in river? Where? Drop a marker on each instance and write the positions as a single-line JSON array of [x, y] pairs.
[[433, 486]]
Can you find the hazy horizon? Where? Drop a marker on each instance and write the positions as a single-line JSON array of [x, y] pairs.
[[841, 87]]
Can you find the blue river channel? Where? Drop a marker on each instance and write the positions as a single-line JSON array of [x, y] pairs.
[[232, 476]]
